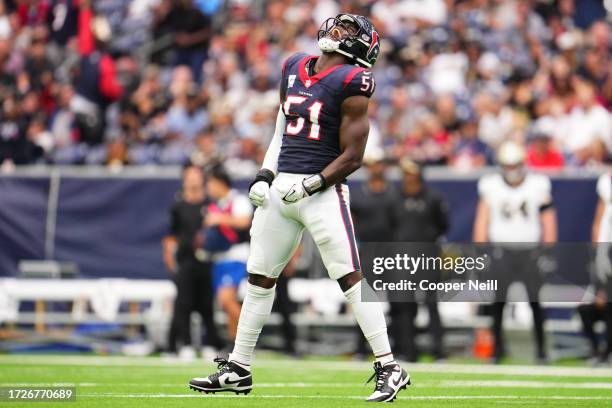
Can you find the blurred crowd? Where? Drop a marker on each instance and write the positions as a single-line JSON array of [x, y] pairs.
[[160, 82]]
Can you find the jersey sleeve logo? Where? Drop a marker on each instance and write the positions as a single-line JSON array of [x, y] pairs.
[[290, 81]]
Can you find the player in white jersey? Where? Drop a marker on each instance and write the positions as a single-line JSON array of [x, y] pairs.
[[602, 225], [601, 308], [515, 213]]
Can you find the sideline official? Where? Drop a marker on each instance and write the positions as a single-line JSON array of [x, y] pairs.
[[372, 208], [191, 276], [421, 215]]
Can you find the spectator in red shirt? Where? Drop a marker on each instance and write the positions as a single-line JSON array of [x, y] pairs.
[[541, 153], [97, 84], [32, 12]]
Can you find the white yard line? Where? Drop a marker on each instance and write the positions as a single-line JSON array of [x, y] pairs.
[[176, 385], [420, 397], [526, 384], [423, 384], [310, 364]]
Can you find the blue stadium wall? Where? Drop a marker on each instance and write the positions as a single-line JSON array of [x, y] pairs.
[[113, 226]]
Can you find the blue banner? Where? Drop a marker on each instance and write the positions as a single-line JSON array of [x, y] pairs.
[[113, 227], [23, 214]]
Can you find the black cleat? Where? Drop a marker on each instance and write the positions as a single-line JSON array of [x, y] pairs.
[[230, 377], [390, 379]]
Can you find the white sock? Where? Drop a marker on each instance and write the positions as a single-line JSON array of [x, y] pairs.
[[384, 360], [372, 322], [256, 308]]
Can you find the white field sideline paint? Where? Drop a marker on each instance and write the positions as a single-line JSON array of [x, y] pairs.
[[421, 384], [180, 385], [310, 364], [525, 384], [352, 397]]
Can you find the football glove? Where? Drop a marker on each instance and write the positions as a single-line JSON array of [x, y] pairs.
[[603, 267], [258, 193], [292, 192], [260, 187]]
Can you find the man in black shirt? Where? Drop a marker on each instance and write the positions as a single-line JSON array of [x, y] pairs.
[[421, 217], [372, 202], [422, 212], [372, 208], [192, 277]]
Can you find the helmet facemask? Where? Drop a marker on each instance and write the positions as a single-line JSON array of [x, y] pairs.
[[333, 31], [511, 159], [352, 36], [514, 174]]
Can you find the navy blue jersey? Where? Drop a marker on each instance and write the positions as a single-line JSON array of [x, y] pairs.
[[312, 107]]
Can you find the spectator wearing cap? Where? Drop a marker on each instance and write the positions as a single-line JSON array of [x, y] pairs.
[[541, 152]]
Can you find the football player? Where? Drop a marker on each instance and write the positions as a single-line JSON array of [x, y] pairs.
[[321, 132], [515, 213]]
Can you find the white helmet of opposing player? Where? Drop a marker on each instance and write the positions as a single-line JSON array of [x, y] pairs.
[[511, 157]]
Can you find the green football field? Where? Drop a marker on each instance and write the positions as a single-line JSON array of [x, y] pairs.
[[281, 383]]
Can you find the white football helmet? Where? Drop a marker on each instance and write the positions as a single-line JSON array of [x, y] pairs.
[[511, 158]]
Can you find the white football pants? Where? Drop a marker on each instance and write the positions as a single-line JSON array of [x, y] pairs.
[[277, 230]]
